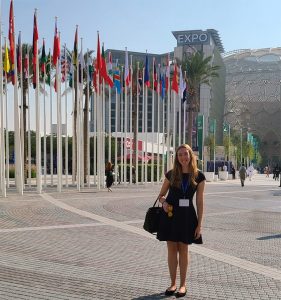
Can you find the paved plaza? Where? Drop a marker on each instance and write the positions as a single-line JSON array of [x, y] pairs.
[[91, 245]]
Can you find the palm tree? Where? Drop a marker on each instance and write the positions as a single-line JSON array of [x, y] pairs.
[[198, 70]]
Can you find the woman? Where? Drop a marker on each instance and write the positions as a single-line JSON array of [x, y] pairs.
[[180, 226], [109, 176]]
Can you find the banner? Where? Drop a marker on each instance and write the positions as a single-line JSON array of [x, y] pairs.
[[200, 135]]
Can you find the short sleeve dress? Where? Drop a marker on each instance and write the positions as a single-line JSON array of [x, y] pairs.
[[180, 227]]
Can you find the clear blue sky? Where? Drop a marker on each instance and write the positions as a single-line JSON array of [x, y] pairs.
[[147, 24]]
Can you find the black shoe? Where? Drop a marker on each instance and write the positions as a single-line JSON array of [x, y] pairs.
[[170, 292], [179, 294]]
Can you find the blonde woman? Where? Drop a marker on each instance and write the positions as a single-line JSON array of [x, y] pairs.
[[180, 224]]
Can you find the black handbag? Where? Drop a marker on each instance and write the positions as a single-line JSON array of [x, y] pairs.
[[152, 218]]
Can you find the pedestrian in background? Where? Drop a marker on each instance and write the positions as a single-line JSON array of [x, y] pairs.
[[109, 176], [233, 172], [180, 225], [242, 174]]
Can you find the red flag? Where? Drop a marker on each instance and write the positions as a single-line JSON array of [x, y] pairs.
[[12, 41], [103, 72], [155, 76], [34, 50], [56, 50], [175, 83], [98, 60]]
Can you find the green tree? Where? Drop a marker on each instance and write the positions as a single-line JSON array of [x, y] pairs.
[[198, 71]]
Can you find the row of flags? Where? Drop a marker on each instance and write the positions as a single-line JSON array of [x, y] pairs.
[[96, 69]]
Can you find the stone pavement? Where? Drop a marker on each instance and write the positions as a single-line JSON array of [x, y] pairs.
[[91, 245]]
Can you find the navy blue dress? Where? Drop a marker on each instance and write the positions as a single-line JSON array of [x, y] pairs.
[[181, 226]]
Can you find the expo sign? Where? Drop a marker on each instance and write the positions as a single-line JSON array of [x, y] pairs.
[[189, 38]]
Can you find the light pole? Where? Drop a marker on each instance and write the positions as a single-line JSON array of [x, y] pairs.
[[241, 145]]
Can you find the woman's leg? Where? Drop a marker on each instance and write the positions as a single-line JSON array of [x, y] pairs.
[[183, 263], [172, 262]]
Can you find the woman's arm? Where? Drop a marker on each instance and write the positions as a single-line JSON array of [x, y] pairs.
[[162, 194], [200, 207]]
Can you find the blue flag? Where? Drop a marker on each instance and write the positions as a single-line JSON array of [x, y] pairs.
[[146, 72], [116, 80]]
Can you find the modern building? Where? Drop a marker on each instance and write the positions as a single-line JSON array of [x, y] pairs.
[[212, 97], [253, 97]]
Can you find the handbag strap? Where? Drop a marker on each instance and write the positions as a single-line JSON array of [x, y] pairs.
[[157, 199]]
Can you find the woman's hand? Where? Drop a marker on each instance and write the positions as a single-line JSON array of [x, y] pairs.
[[197, 233]]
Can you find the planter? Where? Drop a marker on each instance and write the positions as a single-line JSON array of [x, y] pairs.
[[209, 176], [223, 175]]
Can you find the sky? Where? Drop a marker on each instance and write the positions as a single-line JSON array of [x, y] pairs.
[[142, 25]]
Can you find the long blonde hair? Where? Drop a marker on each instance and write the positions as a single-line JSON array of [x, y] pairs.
[[176, 177]]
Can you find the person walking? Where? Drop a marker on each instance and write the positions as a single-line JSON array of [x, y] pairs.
[[233, 172], [242, 174], [180, 225], [109, 176]]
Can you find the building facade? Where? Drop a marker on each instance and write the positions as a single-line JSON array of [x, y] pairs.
[[212, 97], [253, 98]]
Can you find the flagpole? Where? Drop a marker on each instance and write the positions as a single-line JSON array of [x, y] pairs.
[[168, 113], [184, 112], [82, 169], [21, 110], [66, 127], [18, 149], [2, 141], [73, 167], [163, 130], [51, 125], [6, 117], [158, 125], [88, 127], [131, 122], [109, 123], [59, 127], [122, 129], [29, 132], [37, 105], [136, 142], [152, 129], [116, 129], [126, 119], [45, 138], [143, 128]]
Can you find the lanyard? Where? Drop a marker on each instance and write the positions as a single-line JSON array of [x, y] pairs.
[[184, 186]]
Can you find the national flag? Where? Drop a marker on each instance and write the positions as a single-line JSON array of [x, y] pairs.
[[146, 72], [12, 41], [90, 68], [167, 79], [81, 62], [184, 95], [155, 76], [104, 74], [6, 60], [75, 48], [56, 49], [175, 82], [139, 81], [163, 85], [182, 84], [26, 65], [117, 80], [64, 66], [34, 50], [127, 76], [19, 59], [109, 63], [43, 60], [98, 64], [48, 69]]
